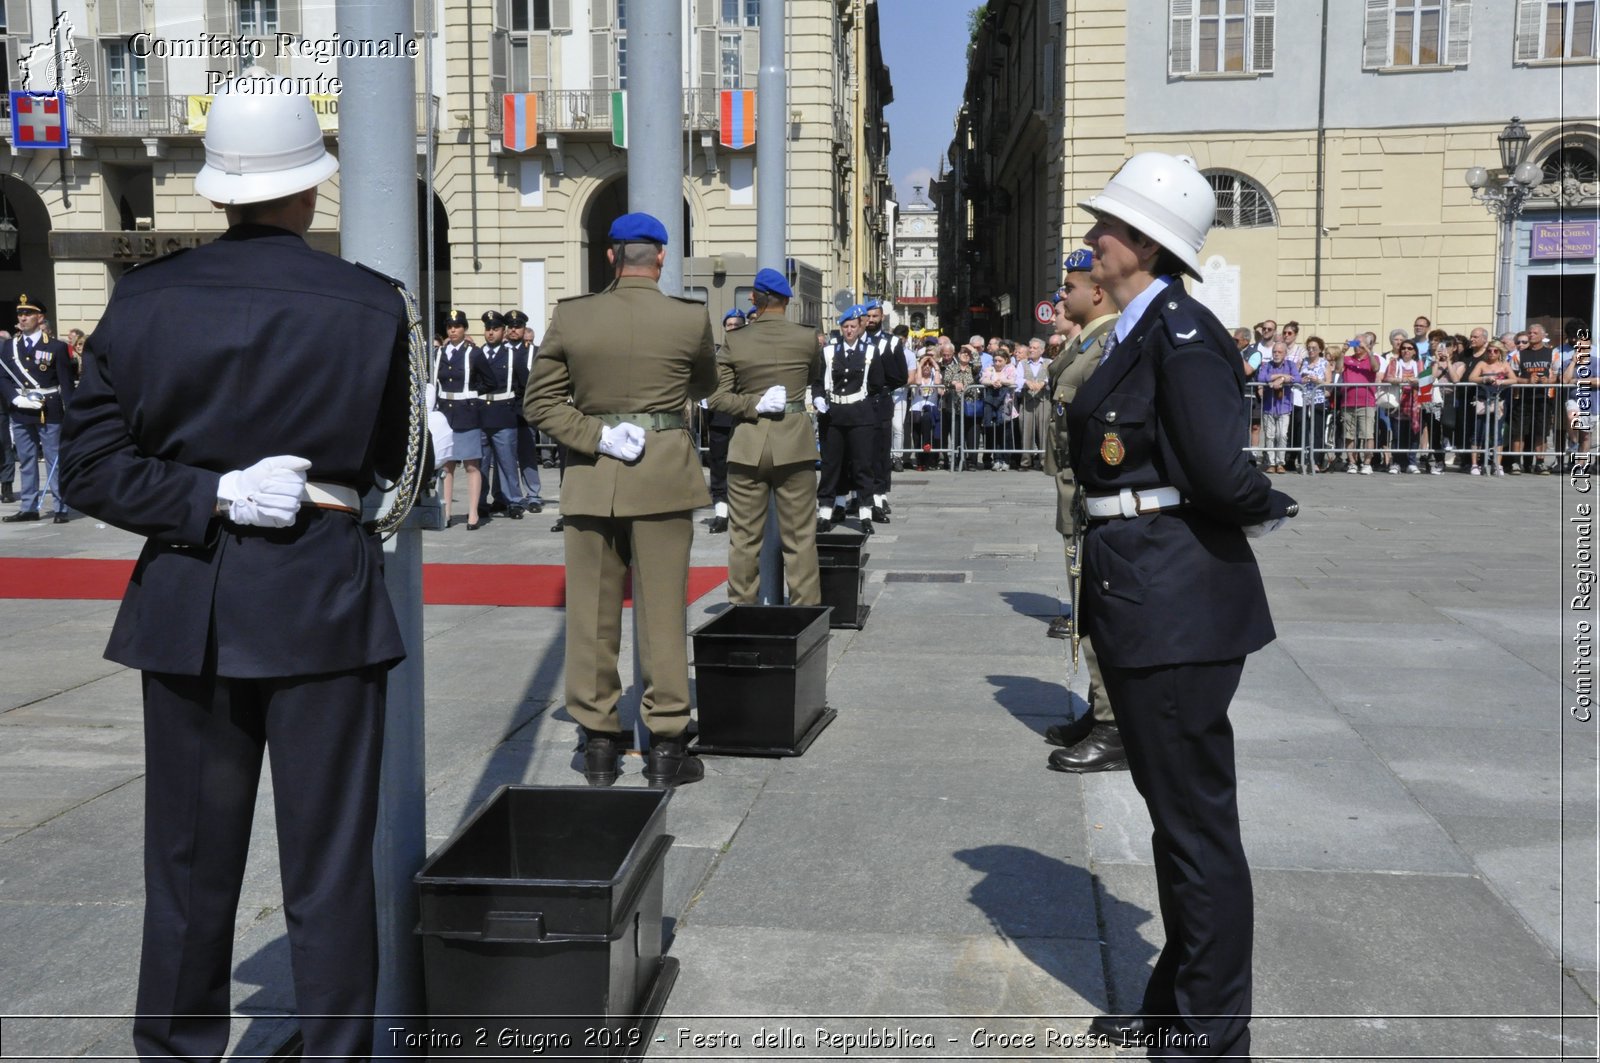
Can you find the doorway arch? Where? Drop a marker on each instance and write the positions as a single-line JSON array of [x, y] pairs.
[[606, 205], [29, 270]]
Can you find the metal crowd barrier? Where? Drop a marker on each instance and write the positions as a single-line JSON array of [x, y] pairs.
[[1502, 428]]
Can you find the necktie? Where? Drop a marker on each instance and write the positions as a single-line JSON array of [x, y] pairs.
[[1105, 351]]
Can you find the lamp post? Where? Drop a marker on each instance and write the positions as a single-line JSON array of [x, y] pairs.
[[1503, 193]]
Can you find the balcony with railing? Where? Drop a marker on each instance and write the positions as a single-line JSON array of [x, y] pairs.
[[589, 111], [114, 116]]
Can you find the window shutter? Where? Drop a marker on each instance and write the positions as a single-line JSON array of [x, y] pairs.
[[19, 19], [1049, 77], [1376, 55], [1180, 53], [705, 12], [499, 56], [1458, 33], [560, 16], [502, 14], [419, 12], [156, 79], [1263, 35], [600, 62], [603, 15], [1058, 12], [538, 63], [1530, 36], [750, 45], [289, 17], [219, 17], [710, 62]]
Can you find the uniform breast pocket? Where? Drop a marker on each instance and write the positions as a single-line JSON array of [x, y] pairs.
[[1119, 431]]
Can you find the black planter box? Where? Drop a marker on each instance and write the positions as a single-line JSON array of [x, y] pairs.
[[541, 925], [761, 676], [842, 566]]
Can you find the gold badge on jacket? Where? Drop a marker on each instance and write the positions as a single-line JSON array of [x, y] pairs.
[[1111, 449]]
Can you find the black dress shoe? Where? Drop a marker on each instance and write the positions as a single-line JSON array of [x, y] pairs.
[[514, 512], [533, 507], [838, 515], [894, 465], [7, 495], [671, 764], [1070, 733], [474, 525], [824, 524], [1126, 1030], [498, 507], [601, 758], [719, 525], [1060, 628], [560, 524], [880, 515], [18, 518], [887, 508], [866, 527], [1101, 751], [59, 518]]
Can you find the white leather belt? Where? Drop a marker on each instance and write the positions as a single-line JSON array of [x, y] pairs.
[[44, 391], [459, 396], [1129, 503], [332, 496]]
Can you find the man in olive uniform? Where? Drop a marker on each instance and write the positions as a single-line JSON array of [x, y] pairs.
[[630, 360], [773, 448], [1091, 742]]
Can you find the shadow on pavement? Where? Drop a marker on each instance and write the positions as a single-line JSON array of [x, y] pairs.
[[1038, 703], [1013, 874], [1046, 607]]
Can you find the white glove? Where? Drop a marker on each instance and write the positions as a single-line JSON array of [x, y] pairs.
[[267, 494], [625, 442], [1258, 531], [820, 403], [23, 402], [773, 401]]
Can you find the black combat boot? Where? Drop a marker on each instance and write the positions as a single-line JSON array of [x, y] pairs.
[[602, 754], [671, 764]]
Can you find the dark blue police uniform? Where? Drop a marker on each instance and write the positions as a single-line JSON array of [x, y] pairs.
[[249, 636], [522, 356], [460, 379], [849, 375], [40, 367], [1173, 601], [501, 401]]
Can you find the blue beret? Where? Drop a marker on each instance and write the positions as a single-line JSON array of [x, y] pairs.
[[1080, 261], [854, 312], [638, 227], [871, 304], [770, 280], [735, 312]]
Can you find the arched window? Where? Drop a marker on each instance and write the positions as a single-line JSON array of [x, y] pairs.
[[1570, 161], [1241, 202]]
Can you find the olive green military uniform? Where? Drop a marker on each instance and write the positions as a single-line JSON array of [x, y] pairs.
[[771, 452], [1066, 375], [632, 351]]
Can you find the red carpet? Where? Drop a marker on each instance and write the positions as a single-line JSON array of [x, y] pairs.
[[517, 585]]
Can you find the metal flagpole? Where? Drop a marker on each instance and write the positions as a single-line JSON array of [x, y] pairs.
[[772, 105], [378, 226]]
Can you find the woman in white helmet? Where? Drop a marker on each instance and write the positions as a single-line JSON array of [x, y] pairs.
[[1171, 595]]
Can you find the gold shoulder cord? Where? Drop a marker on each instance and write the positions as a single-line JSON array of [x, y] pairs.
[[410, 482]]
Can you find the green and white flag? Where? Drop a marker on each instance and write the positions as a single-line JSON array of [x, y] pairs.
[[619, 118]]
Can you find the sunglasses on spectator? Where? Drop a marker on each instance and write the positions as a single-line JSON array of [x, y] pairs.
[[1521, 343]]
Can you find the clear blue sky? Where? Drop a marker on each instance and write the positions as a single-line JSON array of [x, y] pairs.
[[925, 47]]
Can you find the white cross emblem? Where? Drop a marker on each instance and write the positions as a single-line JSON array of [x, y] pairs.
[[38, 120]]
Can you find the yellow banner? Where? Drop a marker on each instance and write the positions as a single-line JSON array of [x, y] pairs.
[[327, 108]]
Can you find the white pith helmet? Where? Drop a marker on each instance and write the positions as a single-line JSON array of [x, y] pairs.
[[261, 146], [1166, 197]]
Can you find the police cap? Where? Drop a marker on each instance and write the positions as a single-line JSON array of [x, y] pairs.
[[515, 318], [456, 319], [638, 227], [770, 280], [26, 305], [493, 319]]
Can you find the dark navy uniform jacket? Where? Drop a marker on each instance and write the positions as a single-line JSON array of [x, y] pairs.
[[161, 414], [500, 378], [458, 370], [1178, 587], [47, 365], [892, 353], [522, 355], [854, 372]]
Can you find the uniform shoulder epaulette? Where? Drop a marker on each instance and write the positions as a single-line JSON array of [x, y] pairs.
[[686, 299], [147, 263], [383, 276], [574, 298], [1182, 326]]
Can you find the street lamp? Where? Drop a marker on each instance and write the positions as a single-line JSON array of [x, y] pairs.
[[1503, 193]]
